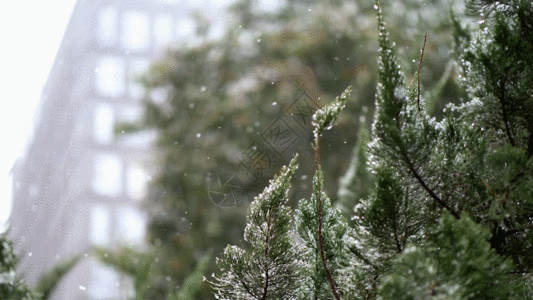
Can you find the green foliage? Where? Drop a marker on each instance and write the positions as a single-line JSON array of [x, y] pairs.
[[391, 216], [141, 267], [269, 269], [193, 283], [135, 264], [323, 118], [335, 231], [459, 264], [11, 287], [207, 103], [450, 214], [50, 279]]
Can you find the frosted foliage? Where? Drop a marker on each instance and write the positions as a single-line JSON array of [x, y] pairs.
[[335, 235], [269, 269], [448, 215], [12, 287], [324, 117]]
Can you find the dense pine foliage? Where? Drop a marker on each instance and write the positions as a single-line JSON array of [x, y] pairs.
[[214, 103], [451, 213], [12, 287]]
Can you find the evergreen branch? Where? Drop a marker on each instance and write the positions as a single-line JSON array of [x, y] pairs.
[[268, 234], [49, 281], [418, 73], [319, 213], [246, 287], [322, 120], [455, 186], [193, 283], [363, 258], [269, 269], [395, 231], [430, 191]]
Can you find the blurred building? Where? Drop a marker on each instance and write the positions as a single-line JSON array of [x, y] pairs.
[[78, 185]]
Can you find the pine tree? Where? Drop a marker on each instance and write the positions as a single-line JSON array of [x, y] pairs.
[[322, 227], [11, 286], [269, 270], [450, 214], [219, 95]]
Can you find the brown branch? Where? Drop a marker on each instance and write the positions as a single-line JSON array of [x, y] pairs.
[[455, 185], [530, 144], [319, 213], [398, 245], [265, 289], [418, 73], [503, 101], [489, 188], [430, 191], [247, 288]]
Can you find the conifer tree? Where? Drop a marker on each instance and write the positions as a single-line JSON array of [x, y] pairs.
[[320, 225], [269, 270], [11, 286], [450, 214], [219, 95]]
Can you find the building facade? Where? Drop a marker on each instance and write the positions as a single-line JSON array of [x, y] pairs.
[[78, 185]]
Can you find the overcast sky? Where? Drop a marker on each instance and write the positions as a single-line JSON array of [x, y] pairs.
[[30, 33]]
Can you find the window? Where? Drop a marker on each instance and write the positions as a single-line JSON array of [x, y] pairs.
[[107, 176], [99, 225], [135, 31], [163, 31], [131, 113], [103, 123], [136, 181], [131, 226], [109, 76], [107, 25], [185, 29], [137, 68]]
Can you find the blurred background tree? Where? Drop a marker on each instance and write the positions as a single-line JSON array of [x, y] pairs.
[[11, 285], [229, 113]]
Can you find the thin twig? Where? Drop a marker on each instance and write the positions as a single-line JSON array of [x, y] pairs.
[[430, 191], [503, 101], [530, 144], [395, 231], [418, 73]]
